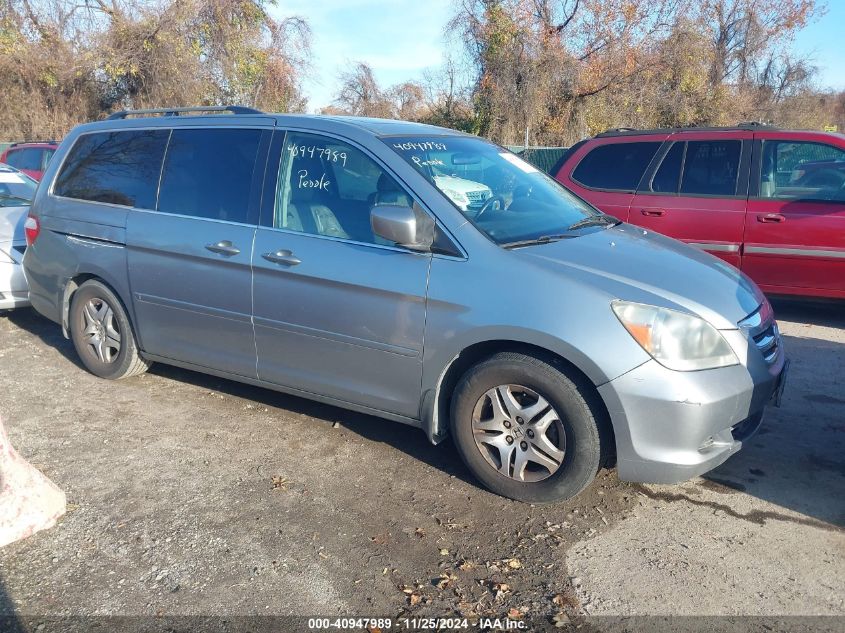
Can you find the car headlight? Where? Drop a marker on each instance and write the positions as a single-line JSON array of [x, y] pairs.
[[457, 197], [676, 340]]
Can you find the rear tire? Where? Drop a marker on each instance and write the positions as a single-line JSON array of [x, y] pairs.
[[102, 334], [526, 430]]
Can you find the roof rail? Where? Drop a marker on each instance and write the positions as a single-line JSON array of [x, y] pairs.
[[15, 144], [235, 109]]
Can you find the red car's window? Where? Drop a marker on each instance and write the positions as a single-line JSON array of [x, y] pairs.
[[25, 158], [615, 166], [667, 178], [801, 170], [711, 168]]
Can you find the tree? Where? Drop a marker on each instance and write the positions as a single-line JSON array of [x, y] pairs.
[[67, 61], [361, 95]]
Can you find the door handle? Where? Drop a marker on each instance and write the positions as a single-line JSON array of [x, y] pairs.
[[282, 257], [771, 218], [653, 213], [223, 247]]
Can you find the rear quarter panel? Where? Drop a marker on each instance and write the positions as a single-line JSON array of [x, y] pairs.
[[77, 238]]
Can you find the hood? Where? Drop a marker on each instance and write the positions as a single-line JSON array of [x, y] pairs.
[[633, 264], [459, 184], [11, 224]]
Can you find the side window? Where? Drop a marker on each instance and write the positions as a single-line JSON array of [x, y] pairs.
[[26, 158], [796, 170], [327, 187], [208, 173], [711, 168], [115, 167], [616, 166], [668, 175]]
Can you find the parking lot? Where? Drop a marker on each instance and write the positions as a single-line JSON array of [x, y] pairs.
[[193, 495]]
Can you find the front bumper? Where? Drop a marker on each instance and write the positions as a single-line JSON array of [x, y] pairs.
[[671, 426], [14, 292]]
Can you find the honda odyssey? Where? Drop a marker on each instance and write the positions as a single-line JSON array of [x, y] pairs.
[[336, 259]]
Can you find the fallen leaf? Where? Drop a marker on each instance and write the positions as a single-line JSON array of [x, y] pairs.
[[444, 551], [419, 532], [466, 565], [443, 581], [560, 620], [514, 613], [379, 539], [414, 599], [514, 563], [280, 483]]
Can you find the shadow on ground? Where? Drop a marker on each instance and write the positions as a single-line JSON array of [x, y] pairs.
[[399, 436], [795, 461], [9, 622]]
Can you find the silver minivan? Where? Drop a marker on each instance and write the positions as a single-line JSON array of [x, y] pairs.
[[415, 273]]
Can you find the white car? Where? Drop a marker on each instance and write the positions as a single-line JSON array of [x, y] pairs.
[[468, 195], [16, 192]]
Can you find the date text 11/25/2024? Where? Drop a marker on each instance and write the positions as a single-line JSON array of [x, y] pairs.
[[417, 624]]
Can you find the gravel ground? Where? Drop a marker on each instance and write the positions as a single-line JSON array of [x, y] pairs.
[[191, 495]]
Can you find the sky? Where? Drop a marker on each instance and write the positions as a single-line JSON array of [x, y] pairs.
[[821, 41], [400, 39]]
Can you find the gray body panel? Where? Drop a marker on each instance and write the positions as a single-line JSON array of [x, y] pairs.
[[376, 328], [347, 322], [192, 304]]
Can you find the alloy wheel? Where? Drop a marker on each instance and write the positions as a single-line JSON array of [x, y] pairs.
[[519, 433], [102, 331]]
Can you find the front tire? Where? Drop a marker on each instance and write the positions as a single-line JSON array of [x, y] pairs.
[[526, 430], [102, 334]]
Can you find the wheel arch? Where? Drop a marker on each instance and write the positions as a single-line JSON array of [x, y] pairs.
[[73, 284], [437, 405]]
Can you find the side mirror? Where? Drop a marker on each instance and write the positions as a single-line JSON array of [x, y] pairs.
[[410, 227]]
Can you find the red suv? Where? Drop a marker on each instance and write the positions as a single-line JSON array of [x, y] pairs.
[[769, 201], [30, 158]]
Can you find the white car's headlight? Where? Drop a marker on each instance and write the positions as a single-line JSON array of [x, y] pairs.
[[676, 340]]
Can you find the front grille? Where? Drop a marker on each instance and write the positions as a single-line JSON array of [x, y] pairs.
[[478, 196], [763, 332]]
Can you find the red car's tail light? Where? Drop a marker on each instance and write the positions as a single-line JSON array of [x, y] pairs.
[[32, 227]]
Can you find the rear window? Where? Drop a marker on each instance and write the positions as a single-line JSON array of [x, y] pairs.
[[208, 173], [27, 158], [616, 166], [114, 167]]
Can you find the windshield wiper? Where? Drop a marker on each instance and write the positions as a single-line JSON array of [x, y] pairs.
[[543, 239], [594, 220]]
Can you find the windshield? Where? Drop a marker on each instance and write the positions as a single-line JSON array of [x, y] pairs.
[[508, 199], [16, 189]]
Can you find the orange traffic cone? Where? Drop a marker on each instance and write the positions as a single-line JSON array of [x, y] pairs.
[[29, 502]]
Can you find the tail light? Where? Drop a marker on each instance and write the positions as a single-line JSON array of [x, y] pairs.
[[32, 227]]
